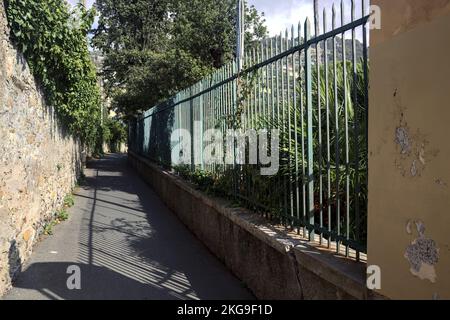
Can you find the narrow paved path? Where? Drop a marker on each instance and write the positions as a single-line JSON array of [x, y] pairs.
[[127, 244]]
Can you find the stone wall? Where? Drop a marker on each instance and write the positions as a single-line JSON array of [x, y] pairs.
[[39, 161]]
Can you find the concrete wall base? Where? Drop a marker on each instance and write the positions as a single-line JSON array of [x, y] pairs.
[[272, 262]]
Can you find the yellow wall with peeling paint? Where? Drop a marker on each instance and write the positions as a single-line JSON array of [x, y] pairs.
[[410, 96], [399, 16]]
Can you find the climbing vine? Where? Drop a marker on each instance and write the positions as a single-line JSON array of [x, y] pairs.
[[53, 39]]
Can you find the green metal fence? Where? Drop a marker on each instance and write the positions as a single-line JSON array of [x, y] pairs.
[[314, 89]]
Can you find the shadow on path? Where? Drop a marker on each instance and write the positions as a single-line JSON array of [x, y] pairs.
[[127, 244]]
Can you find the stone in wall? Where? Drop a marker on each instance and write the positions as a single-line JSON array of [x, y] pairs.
[[39, 160]]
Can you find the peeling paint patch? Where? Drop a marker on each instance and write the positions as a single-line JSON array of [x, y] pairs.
[[412, 161], [402, 139], [414, 170], [441, 183], [413, 147], [422, 254], [408, 227], [420, 228]]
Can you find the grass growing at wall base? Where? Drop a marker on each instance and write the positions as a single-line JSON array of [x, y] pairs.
[[60, 216]]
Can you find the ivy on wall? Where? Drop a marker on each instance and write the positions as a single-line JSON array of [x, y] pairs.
[[53, 39]]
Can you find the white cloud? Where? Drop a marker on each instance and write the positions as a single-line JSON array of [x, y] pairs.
[[283, 14], [89, 3]]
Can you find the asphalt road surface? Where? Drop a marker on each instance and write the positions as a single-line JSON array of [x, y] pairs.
[[124, 244]]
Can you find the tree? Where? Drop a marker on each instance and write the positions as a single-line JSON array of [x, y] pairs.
[[154, 48], [114, 134]]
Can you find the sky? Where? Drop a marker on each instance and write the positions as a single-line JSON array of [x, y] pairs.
[[282, 14], [88, 2]]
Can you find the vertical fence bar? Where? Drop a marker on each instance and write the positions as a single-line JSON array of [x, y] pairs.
[[336, 126], [319, 120], [247, 123], [356, 128], [179, 117], [263, 78], [259, 99], [267, 80], [200, 121], [227, 116], [246, 100], [302, 135], [215, 111], [347, 151], [234, 127], [266, 102], [366, 98], [294, 111], [223, 120], [283, 127], [209, 113], [272, 70], [255, 89], [217, 123], [254, 124], [248, 91], [191, 119], [327, 102], [309, 115], [289, 125], [278, 65]]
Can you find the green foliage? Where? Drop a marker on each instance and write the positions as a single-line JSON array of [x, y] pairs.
[[54, 41], [204, 180], [115, 133], [62, 215], [48, 228], [155, 48], [69, 201]]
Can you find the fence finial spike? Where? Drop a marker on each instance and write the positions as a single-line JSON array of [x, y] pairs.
[[307, 29], [307, 23], [353, 10], [292, 36], [334, 16], [299, 30]]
